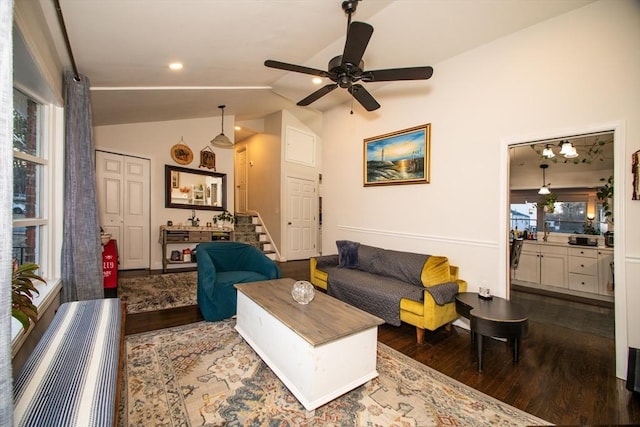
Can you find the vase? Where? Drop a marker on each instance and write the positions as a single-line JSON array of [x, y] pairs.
[[302, 292]]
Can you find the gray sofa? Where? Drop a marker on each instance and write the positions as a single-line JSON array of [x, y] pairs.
[[397, 286]]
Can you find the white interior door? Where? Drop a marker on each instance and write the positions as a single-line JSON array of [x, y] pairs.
[[241, 195], [123, 201], [301, 218]]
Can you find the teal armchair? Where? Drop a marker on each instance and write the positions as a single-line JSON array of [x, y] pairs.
[[220, 266]]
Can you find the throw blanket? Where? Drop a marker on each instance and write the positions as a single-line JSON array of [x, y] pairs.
[[377, 295], [403, 266], [70, 379], [443, 293]]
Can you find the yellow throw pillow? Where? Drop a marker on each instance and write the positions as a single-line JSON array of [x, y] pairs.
[[435, 271]]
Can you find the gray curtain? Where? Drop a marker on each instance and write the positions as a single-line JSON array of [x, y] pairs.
[[6, 216], [81, 249]]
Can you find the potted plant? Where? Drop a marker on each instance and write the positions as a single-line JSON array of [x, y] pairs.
[[225, 216], [548, 202], [22, 292], [605, 193]]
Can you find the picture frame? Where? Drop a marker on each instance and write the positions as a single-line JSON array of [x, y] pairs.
[[207, 158], [401, 157], [181, 154], [175, 179], [635, 172]]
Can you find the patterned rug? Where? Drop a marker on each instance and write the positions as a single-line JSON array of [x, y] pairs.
[[204, 374], [158, 291]]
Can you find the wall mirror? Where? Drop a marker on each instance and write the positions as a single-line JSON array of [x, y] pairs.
[[195, 189]]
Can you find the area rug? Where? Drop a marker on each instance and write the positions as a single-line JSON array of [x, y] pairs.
[[204, 374], [158, 291]]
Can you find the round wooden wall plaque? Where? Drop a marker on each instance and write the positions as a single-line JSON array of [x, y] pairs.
[[181, 154]]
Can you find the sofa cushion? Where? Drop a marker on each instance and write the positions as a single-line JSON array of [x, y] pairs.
[[435, 271], [368, 257], [377, 295], [347, 253], [404, 266]]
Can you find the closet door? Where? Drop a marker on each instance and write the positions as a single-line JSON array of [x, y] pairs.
[[123, 201]]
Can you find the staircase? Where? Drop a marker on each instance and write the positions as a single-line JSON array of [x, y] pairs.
[[248, 229]]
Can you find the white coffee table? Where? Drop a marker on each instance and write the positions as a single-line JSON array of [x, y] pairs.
[[319, 351]]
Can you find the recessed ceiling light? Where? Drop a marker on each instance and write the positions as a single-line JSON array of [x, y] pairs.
[[237, 128], [175, 66], [316, 80]]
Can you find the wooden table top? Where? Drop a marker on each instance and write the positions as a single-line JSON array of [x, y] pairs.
[[323, 320]]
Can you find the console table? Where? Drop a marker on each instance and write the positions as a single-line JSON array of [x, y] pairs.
[[179, 237], [495, 317]]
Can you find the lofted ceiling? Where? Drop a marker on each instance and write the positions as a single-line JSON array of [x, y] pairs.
[[124, 48]]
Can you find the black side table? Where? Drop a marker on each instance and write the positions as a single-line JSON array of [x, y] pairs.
[[495, 317]]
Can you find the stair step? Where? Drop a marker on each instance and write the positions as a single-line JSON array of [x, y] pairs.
[[249, 230]]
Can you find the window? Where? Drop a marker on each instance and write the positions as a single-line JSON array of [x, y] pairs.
[[523, 218], [569, 214], [29, 168], [567, 217]]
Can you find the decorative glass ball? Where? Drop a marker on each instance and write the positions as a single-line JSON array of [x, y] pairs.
[[302, 292]]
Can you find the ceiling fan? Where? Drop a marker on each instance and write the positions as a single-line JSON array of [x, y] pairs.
[[347, 69]]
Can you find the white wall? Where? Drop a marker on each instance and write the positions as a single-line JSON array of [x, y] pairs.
[[576, 71], [153, 141], [269, 168], [301, 171], [263, 155]]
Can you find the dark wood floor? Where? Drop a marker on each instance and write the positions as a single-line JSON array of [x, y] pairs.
[[564, 376]]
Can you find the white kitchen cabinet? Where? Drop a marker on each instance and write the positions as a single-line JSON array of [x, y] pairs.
[[605, 272], [542, 264], [553, 266], [583, 269], [572, 269], [529, 264]]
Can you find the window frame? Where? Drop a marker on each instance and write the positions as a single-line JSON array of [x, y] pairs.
[[50, 215], [565, 195]]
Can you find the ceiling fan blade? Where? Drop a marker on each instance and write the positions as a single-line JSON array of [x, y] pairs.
[[296, 68], [357, 40], [317, 94], [363, 97], [392, 74]]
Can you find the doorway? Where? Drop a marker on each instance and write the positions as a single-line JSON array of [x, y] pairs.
[[302, 222], [123, 203], [618, 131], [241, 193], [555, 207]]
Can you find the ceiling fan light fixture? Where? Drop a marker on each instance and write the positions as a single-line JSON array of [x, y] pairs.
[[222, 141]]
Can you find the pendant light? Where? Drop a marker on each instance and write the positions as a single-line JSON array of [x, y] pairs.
[[568, 150], [544, 189], [548, 153], [221, 140]]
